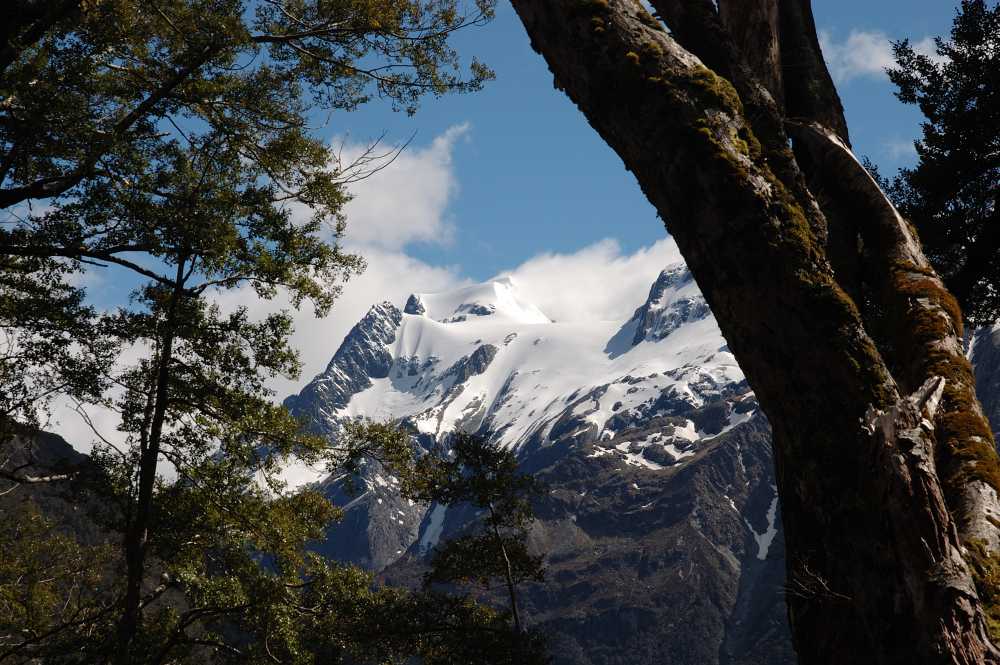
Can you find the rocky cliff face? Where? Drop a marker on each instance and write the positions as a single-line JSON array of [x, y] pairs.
[[361, 358], [679, 563], [673, 300], [661, 527], [676, 567], [985, 356]]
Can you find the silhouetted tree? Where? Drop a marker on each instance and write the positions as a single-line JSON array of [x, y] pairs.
[[485, 475], [951, 195]]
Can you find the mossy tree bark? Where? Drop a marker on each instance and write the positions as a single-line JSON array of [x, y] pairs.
[[886, 467]]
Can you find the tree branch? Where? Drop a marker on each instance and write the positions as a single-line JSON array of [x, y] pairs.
[[49, 187], [809, 90], [926, 325], [16, 44]]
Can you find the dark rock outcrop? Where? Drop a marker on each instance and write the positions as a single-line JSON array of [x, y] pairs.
[[986, 361], [473, 364], [414, 306], [362, 356]]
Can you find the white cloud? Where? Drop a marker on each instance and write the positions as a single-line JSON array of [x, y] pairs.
[[71, 424], [390, 276], [596, 283], [407, 201], [84, 425], [926, 46], [900, 150], [865, 54], [404, 203], [862, 54], [599, 282]]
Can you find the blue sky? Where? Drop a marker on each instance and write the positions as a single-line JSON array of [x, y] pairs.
[[533, 177], [513, 180]]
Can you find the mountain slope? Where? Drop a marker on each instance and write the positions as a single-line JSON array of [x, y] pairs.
[[985, 356], [661, 526]]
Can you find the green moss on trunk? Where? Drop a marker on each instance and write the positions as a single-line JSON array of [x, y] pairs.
[[986, 573]]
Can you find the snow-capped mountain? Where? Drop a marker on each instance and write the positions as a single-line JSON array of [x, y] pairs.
[[662, 516], [482, 359]]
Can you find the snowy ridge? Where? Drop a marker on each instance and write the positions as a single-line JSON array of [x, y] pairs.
[[644, 431], [497, 299], [674, 299], [483, 358], [536, 372]]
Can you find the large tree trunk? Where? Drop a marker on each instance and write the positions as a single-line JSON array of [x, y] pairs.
[[886, 466]]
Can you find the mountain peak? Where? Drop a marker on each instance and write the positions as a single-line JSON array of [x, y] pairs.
[[497, 299], [674, 299], [361, 357]]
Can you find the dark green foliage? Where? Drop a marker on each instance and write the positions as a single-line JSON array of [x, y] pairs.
[[362, 440], [473, 558], [48, 348], [485, 475], [171, 141], [388, 625], [951, 195], [327, 613], [48, 578], [478, 472], [88, 83]]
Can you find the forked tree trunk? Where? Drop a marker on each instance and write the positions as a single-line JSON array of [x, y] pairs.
[[886, 467]]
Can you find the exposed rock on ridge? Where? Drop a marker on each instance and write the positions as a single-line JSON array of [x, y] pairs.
[[362, 356], [661, 530]]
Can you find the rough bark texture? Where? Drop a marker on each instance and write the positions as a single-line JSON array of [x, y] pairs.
[[754, 26], [923, 320], [856, 361]]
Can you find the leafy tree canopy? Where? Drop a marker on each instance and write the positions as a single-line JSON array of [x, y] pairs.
[[85, 84], [952, 194], [102, 102], [485, 475], [171, 140]]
